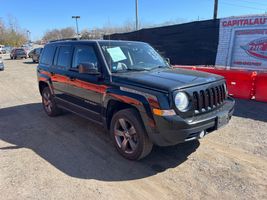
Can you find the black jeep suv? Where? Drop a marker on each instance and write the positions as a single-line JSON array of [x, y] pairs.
[[133, 92]]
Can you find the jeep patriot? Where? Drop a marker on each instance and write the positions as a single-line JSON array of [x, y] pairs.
[[133, 92]]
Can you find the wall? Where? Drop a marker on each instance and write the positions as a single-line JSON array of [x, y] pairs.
[[243, 42], [192, 43], [235, 42]]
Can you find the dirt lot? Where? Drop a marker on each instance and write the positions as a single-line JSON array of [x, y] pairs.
[[70, 158]]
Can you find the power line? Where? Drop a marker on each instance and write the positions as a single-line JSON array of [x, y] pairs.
[[241, 6], [253, 2]]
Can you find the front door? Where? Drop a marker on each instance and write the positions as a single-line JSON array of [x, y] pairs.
[[87, 89]]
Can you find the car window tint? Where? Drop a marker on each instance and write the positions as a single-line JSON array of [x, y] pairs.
[[64, 56], [84, 54], [48, 55]]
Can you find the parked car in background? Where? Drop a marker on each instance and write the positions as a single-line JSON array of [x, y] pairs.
[[18, 53], [2, 49], [1, 64], [36, 54], [7, 49], [30, 53]]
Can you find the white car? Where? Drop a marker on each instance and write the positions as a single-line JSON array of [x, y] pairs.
[[2, 50], [1, 64]]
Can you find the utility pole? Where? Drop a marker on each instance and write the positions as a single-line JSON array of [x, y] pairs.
[[76, 18], [136, 16], [215, 13]]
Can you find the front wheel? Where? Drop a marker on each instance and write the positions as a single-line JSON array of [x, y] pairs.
[[129, 135], [49, 103]]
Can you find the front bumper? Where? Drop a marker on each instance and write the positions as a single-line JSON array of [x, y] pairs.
[[171, 130]]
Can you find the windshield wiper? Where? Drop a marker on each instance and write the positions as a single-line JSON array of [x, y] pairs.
[[137, 69], [159, 67], [131, 69]]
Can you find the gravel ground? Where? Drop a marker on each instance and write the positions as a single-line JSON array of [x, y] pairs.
[[71, 158]]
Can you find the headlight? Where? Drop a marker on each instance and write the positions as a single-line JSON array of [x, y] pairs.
[[181, 101]]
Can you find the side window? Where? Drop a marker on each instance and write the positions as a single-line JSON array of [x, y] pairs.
[[64, 56], [84, 54], [48, 55]]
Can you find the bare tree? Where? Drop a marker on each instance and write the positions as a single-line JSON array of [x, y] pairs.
[[67, 32], [11, 34], [56, 34]]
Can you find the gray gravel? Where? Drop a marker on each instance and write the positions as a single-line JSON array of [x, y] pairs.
[[71, 158]]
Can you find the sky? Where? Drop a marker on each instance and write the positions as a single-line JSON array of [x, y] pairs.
[[42, 15]]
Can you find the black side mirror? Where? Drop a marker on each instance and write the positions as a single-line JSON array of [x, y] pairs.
[[88, 68], [168, 61]]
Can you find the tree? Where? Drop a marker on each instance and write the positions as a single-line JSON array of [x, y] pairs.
[[67, 32], [56, 34], [11, 34]]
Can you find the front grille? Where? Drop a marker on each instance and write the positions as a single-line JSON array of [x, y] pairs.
[[205, 100]]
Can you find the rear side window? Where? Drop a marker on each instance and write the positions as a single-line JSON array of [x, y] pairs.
[[64, 56], [48, 55]]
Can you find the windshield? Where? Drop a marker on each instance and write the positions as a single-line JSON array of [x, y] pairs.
[[131, 56]]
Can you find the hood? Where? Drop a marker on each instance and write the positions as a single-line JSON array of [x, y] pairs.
[[165, 79]]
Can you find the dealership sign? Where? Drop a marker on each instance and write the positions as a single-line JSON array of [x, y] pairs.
[[245, 22], [243, 42], [257, 48]]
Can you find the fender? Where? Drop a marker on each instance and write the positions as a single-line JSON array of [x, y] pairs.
[[143, 103], [44, 76]]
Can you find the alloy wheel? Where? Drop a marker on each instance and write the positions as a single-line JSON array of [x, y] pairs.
[[47, 102], [125, 136]]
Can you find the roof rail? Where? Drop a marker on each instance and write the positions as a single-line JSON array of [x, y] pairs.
[[64, 39]]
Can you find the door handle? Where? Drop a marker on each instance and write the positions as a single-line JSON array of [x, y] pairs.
[[72, 78]]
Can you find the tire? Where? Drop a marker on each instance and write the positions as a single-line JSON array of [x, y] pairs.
[[49, 103], [129, 135], [15, 57]]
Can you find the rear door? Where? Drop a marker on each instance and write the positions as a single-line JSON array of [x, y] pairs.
[[59, 72]]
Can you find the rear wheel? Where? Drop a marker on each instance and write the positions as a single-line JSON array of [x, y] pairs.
[[49, 103], [129, 135]]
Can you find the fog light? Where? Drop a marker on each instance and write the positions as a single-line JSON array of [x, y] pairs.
[[202, 134]]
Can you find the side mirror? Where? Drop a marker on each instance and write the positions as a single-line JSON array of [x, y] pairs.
[[88, 68], [168, 61]]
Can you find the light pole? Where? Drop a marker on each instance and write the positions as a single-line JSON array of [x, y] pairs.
[[29, 35], [136, 15], [76, 18]]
